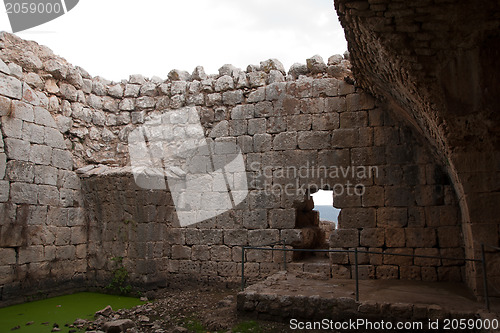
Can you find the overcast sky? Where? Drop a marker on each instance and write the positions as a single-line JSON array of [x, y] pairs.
[[116, 38]]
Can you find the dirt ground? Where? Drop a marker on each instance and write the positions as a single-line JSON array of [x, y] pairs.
[[206, 309]]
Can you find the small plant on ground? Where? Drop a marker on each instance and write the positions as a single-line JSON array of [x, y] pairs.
[[119, 283]]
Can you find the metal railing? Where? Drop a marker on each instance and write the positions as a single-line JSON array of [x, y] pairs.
[[284, 249]]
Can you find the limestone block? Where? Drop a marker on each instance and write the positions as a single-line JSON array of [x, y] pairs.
[[33, 133], [357, 218], [340, 258], [116, 91], [433, 252], [366, 272], [325, 87], [4, 190], [68, 92], [259, 255], [450, 274], [45, 175], [110, 104], [262, 142], [325, 122], [282, 218], [257, 96], [360, 101], [10, 86], [43, 117], [398, 260], [235, 237], [344, 238], [81, 251], [316, 64], [220, 253], [145, 102], [76, 216], [137, 79], [200, 252], [232, 97], [132, 90], [31, 254], [40, 154], [66, 252], [54, 138], [420, 237], [394, 217], [346, 88], [5, 105], [255, 219], [313, 140], [452, 253], [262, 237], [48, 195], [372, 237], [410, 273], [285, 141], [272, 64], [62, 159], [300, 122], [19, 171], [429, 274], [12, 127], [245, 142], [275, 91], [256, 79], [189, 267], [22, 193], [237, 127], [224, 83], [395, 237], [210, 236], [228, 269], [387, 272], [7, 256], [341, 272]]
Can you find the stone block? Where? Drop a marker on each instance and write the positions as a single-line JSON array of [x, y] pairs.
[[341, 272], [282, 218], [45, 175], [40, 154], [262, 237], [220, 253], [386, 272], [392, 217], [344, 238], [325, 121], [232, 97], [410, 273], [313, 140], [78, 235], [372, 237], [275, 125], [255, 219], [228, 269], [33, 133], [420, 237], [237, 127], [256, 126], [54, 138], [12, 127], [10, 86], [395, 237], [43, 117], [353, 119], [432, 252], [262, 142], [200, 252], [429, 274], [5, 106], [7, 256], [3, 165], [181, 252], [66, 252], [30, 254], [360, 101], [373, 196], [252, 255], [48, 195], [235, 237], [325, 87], [20, 171], [299, 122], [22, 193], [449, 274], [397, 256], [357, 218], [452, 253], [211, 236], [62, 159], [17, 149]]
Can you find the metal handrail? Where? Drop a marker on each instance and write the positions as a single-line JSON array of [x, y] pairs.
[[356, 252]]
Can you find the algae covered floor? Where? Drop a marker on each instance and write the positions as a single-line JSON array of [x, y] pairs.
[[40, 316]]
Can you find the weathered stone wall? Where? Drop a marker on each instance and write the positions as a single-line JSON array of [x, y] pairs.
[[297, 133], [436, 63]]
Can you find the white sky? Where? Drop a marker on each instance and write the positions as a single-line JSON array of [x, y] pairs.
[[323, 198], [116, 38]]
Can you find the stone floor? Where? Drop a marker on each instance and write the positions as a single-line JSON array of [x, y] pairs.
[[291, 295]]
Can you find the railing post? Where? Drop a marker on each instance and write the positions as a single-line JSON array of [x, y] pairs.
[[356, 272], [242, 268], [485, 278], [284, 255]]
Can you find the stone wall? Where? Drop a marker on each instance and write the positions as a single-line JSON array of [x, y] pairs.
[[436, 63], [297, 132]]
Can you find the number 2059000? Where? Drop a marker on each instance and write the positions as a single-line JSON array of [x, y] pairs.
[[32, 8]]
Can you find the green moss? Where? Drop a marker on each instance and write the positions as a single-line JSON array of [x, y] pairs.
[[247, 327]]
